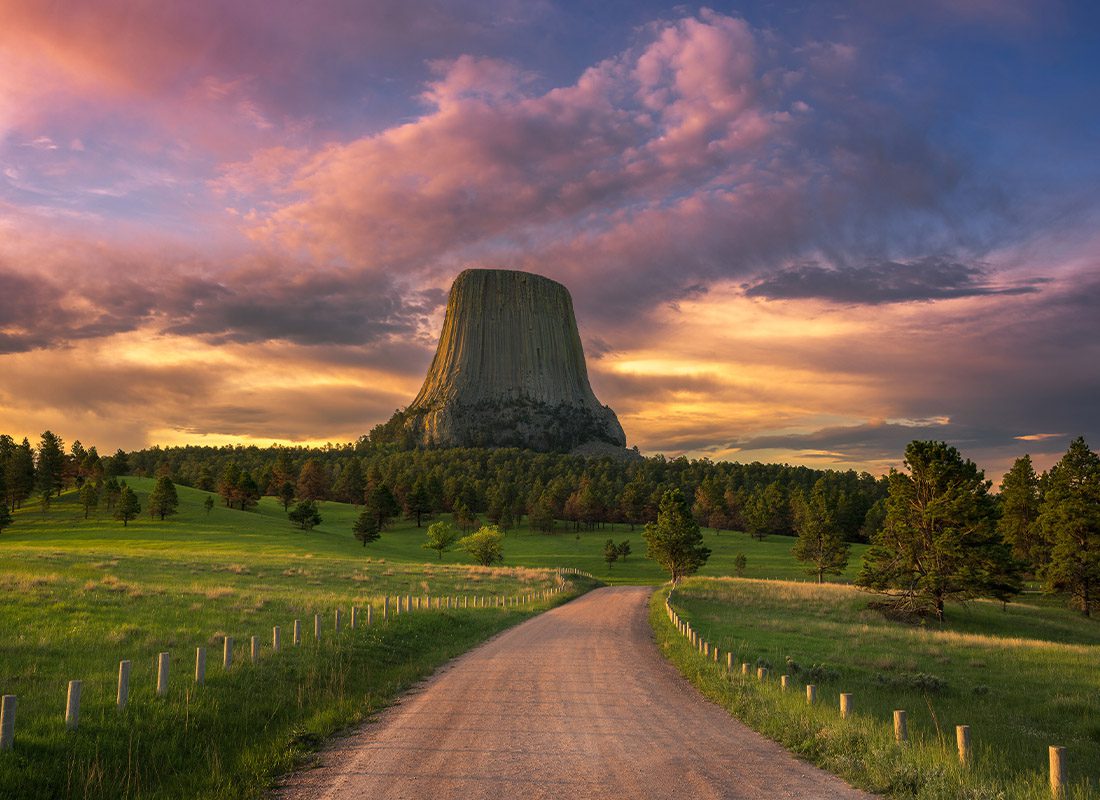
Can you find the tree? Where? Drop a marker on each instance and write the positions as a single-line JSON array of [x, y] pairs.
[[441, 537], [50, 468], [208, 504], [286, 494], [819, 540], [610, 552], [418, 502], [1020, 512], [674, 540], [5, 517], [163, 500], [1070, 520], [89, 498], [248, 491], [366, 527], [463, 517], [939, 541], [764, 511], [624, 549], [739, 564], [349, 487], [305, 514], [485, 545], [19, 474], [381, 503], [112, 490], [542, 515], [227, 483], [312, 481], [128, 506]]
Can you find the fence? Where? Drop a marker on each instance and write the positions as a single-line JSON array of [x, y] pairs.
[[708, 651], [389, 606]]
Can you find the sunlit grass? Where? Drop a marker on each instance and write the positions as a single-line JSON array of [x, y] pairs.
[[1022, 678]]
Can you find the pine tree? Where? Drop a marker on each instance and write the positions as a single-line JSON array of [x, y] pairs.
[[128, 506], [939, 541], [610, 552], [819, 541], [19, 474], [305, 514], [674, 540], [163, 500], [418, 502], [112, 490], [50, 469], [248, 491], [227, 483], [208, 504], [542, 515], [1020, 512], [89, 498], [366, 527], [1070, 520], [313, 481]]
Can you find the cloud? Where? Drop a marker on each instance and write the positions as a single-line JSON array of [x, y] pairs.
[[929, 278]]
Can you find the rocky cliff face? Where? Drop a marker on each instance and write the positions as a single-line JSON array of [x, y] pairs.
[[509, 370]]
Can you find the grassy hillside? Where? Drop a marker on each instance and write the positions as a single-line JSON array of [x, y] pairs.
[[1022, 679], [264, 536], [81, 595]]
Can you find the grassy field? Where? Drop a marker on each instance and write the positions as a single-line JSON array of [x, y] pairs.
[[1022, 679], [81, 595]]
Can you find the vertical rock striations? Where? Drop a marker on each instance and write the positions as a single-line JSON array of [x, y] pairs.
[[509, 370]]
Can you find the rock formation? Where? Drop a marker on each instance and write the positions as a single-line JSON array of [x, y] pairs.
[[509, 371]]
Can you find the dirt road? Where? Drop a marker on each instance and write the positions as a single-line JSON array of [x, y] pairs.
[[576, 703]]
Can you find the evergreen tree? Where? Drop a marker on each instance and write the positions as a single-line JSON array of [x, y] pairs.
[[50, 468], [119, 464], [305, 515], [128, 506], [228, 483], [624, 549], [286, 494], [208, 504], [312, 481], [939, 541], [1070, 520], [366, 527], [674, 540], [349, 487], [819, 540], [381, 504], [112, 490], [5, 517], [163, 500], [542, 515], [610, 552], [463, 517], [418, 502], [89, 498], [1020, 512], [441, 537], [248, 491], [19, 474]]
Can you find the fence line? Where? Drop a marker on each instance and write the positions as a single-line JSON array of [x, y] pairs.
[[74, 689], [846, 707]]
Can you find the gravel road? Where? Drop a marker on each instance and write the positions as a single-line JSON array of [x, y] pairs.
[[576, 703]]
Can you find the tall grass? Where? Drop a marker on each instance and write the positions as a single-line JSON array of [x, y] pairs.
[[1022, 679]]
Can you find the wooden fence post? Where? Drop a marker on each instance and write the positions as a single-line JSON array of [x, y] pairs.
[[744, 668], [297, 635], [901, 726], [386, 607], [354, 623], [123, 695], [962, 738], [811, 694], [370, 613], [1057, 772], [227, 653], [72, 705], [761, 673], [729, 662], [317, 627], [7, 721], [338, 620], [784, 681], [254, 649], [276, 638], [845, 705], [162, 675], [200, 665], [408, 603]]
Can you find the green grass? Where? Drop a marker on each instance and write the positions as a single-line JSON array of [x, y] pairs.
[[81, 595], [1022, 679]]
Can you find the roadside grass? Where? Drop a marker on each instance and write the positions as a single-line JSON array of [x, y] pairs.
[[1022, 679], [265, 534], [81, 595]]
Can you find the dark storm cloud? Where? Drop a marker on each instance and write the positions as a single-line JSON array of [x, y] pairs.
[[924, 279]]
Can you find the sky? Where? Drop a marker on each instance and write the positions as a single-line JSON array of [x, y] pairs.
[[793, 231]]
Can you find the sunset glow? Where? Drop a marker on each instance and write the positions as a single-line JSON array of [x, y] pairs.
[[791, 234]]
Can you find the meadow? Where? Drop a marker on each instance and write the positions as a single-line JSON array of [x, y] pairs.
[[1023, 677], [81, 595]]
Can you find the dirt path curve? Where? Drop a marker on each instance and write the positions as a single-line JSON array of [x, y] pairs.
[[576, 703]]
